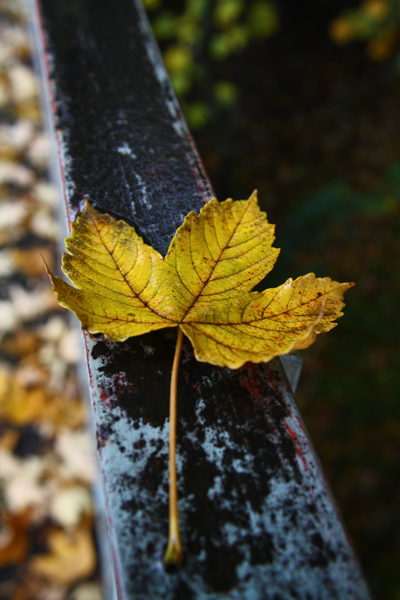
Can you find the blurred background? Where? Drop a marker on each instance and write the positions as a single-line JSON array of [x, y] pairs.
[[48, 547], [300, 100]]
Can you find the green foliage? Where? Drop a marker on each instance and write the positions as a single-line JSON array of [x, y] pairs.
[[225, 92], [227, 12], [152, 4], [199, 41], [339, 204], [197, 114], [262, 19], [375, 21]]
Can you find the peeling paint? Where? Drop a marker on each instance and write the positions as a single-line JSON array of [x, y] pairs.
[[126, 151]]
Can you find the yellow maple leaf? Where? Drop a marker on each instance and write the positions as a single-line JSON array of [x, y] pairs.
[[125, 288], [203, 287]]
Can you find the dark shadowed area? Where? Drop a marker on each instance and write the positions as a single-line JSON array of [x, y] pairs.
[[317, 130]]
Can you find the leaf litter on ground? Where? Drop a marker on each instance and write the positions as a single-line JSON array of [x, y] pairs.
[[44, 492]]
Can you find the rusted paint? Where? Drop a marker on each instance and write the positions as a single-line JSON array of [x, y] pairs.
[[258, 521]]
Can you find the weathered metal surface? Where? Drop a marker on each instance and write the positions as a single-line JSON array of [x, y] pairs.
[[258, 521]]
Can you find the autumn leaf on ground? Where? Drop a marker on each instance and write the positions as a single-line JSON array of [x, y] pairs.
[[14, 538], [203, 287], [125, 288], [72, 557]]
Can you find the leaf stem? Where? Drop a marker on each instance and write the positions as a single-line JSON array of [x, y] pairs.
[[174, 554]]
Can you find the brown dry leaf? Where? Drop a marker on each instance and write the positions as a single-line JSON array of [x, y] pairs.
[[23, 401], [9, 440], [30, 262], [21, 343], [63, 411], [5, 380], [69, 504], [30, 373], [20, 405], [14, 539], [72, 557]]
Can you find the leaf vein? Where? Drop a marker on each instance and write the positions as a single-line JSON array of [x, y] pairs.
[[205, 283], [126, 280]]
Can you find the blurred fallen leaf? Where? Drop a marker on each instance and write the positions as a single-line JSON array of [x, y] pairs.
[[15, 174], [87, 591], [63, 411], [77, 452], [9, 440], [12, 214], [30, 304], [15, 138], [30, 262], [21, 343], [15, 39], [46, 193], [30, 374], [7, 266], [24, 399], [21, 405], [44, 225], [5, 378], [69, 504], [39, 151], [24, 84], [14, 538], [72, 557], [8, 316], [24, 482]]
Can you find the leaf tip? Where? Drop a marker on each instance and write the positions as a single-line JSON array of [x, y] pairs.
[[44, 262], [346, 286], [88, 210], [53, 278], [46, 266], [86, 204]]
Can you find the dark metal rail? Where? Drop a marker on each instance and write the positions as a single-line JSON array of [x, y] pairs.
[[258, 521]]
